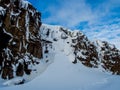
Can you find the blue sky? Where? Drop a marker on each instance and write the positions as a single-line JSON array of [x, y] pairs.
[[98, 19], [79, 14]]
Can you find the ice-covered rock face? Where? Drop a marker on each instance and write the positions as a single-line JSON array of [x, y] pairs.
[[20, 42], [78, 48]]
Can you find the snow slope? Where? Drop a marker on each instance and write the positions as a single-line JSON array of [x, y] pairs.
[[59, 73], [56, 71], [63, 75]]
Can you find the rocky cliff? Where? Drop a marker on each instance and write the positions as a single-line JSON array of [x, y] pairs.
[[19, 38], [27, 48], [79, 49]]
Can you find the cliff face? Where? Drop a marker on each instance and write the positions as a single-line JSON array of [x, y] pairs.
[[27, 48], [19, 38], [98, 54], [79, 49], [109, 56]]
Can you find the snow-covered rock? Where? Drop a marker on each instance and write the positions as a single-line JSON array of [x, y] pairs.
[[78, 48], [27, 48], [20, 42]]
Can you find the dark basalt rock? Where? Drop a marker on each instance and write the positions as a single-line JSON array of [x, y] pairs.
[[20, 43], [91, 54], [95, 55], [19, 37], [110, 58]]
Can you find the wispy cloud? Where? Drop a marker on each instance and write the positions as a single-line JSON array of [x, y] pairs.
[[74, 12], [99, 19], [71, 13], [108, 32]]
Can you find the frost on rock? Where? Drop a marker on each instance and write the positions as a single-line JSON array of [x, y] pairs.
[[2, 12], [27, 48], [78, 48], [20, 42], [109, 56]]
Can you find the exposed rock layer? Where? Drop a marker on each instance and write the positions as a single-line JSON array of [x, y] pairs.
[[19, 37], [22, 45], [91, 54]]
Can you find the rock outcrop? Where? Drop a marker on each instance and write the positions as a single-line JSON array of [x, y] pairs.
[[27, 48], [75, 45], [109, 56], [19, 38]]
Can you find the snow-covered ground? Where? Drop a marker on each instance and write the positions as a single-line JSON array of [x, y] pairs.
[[63, 75]]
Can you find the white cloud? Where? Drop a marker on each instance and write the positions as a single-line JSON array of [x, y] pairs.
[[110, 33], [70, 13]]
